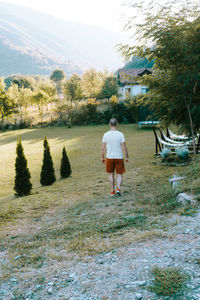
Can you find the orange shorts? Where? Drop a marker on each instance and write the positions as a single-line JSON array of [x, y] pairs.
[[115, 164]]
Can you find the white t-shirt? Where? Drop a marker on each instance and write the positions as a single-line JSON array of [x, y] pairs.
[[114, 140]]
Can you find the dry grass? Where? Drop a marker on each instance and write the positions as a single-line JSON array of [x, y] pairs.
[[76, 214]]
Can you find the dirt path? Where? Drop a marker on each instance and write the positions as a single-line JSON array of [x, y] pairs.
[[121, 274]]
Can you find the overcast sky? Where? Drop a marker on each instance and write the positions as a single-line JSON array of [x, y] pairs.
[[103, 13]]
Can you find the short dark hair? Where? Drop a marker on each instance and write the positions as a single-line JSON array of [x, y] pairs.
[[113, 122]]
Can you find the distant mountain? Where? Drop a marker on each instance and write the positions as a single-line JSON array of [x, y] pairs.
[[35, 43]]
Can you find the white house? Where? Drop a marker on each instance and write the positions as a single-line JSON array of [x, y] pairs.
[[128, 84]]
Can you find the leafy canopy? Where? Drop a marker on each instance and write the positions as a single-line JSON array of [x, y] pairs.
[[72, 88], [57, 76], [170, 36], [7, 106]]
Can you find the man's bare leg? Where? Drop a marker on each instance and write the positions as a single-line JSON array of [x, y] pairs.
[[112, 181], [119, 180]]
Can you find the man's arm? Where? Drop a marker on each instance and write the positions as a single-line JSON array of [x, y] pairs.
[[102, 152], [125, 151]]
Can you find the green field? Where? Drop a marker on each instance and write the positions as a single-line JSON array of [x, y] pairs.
[[83, 146]]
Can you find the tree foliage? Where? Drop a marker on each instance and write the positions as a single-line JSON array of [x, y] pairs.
[[62, 110], [170, 36], [47, 176], [21, 81], [92, 82], [48, 89], [21, 97], [57, 76], [23, 185], [65, 168], [42, 95], [110, 87], [73, 89], [7, 106]]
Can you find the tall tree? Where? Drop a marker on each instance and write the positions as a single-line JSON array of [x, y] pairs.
[[171, 37], [73, 92], [21, 97], [43, 95], [110, 87], [72, 88], [57, 77], [27, 82], [40, 99], [48, 88], [7, 106], [47, 176], [92, 82], [23, 185]]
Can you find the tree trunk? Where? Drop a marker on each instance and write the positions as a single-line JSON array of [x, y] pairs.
[[2, 122], [70, 114], [40, 109], [192, 131], [21, 113]]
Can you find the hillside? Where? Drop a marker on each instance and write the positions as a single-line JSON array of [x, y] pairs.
[[35, 43]]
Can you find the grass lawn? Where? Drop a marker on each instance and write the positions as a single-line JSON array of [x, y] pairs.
[[83, 146], [77, 215]]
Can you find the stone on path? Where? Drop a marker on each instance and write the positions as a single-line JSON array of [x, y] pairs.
[[138, 296], [50, 291], [175, 180], [185, 199]]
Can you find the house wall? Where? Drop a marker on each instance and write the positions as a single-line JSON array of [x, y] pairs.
[[133, 90]]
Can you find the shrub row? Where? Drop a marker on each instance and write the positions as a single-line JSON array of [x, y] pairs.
[[23, 184], [82, 113], [90, 114]]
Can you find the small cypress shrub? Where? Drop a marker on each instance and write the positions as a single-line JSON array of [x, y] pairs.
[[65, 168], [47, 176], [165, 153], [182, 152], [23, 185]]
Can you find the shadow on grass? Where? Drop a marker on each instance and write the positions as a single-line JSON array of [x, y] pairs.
[[35, 135]]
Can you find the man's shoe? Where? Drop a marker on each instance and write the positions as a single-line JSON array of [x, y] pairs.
[[112, 193], [118, 192]]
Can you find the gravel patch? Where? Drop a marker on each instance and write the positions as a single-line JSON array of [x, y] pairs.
[[121, 274]]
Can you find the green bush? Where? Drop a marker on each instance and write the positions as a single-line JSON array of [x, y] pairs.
[[47, 176], [79, 115], [85, 113], [168, 281], [182, 152], [91, 109], [65, 168], [23, 185], [165, 153]]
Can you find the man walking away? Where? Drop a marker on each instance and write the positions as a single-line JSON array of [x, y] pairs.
[[114, 141]]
